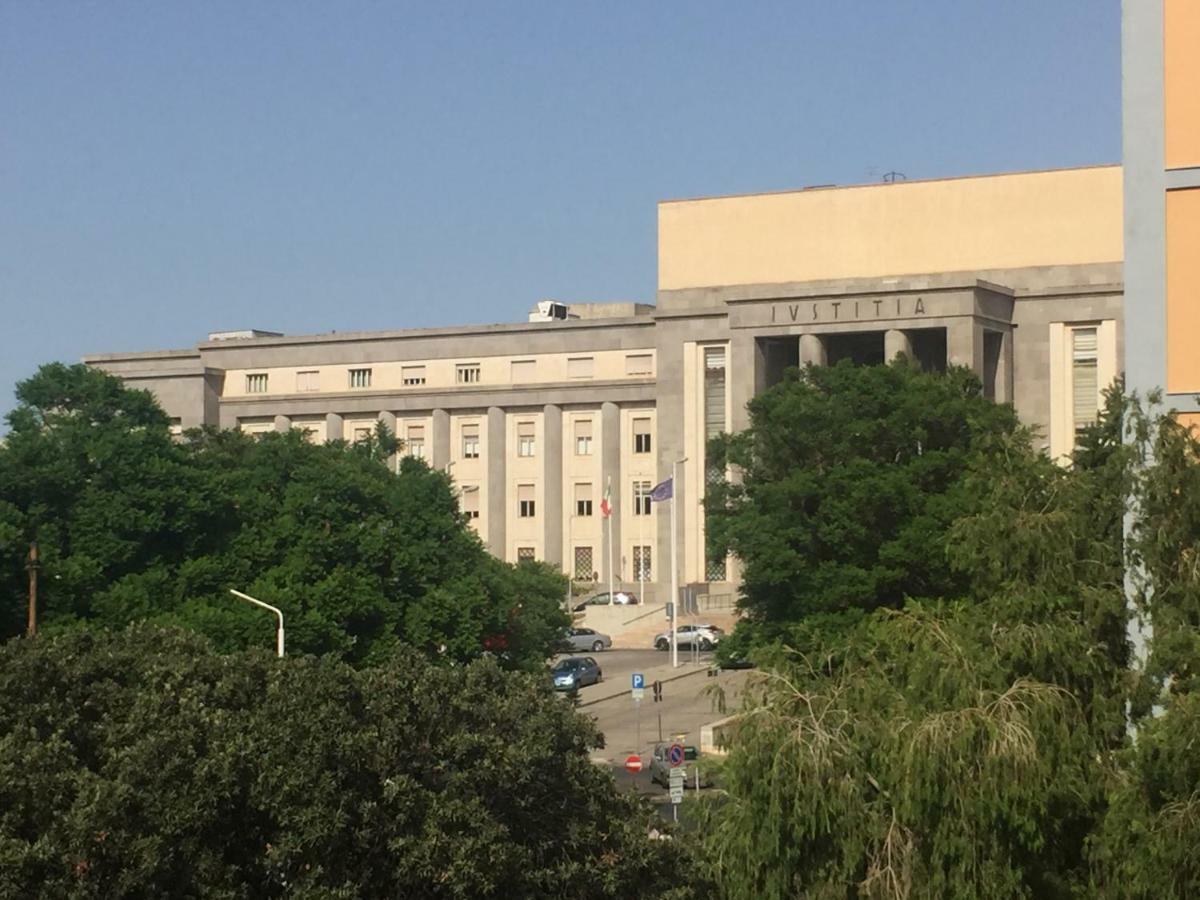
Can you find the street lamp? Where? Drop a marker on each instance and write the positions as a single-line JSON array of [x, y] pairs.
[[279, 631]]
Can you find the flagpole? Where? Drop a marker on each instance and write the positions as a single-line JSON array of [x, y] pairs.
[[674, 563]]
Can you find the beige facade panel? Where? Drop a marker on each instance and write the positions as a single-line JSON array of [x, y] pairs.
[[1057, 218], [1181, 83]]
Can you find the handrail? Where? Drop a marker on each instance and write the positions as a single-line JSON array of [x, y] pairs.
[[650, 612]]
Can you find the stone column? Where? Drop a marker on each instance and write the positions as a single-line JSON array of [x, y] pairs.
[[812, 350], [964, 344], [497, 482], [552, 484], [389, 419], [896, 342], [334, 427], [439, 449], [282, 423], [610, 463]]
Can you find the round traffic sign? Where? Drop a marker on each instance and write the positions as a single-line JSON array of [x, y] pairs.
[[633, 764], [675, 755]]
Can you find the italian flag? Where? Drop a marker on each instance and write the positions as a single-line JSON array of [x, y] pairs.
[[606, 500]]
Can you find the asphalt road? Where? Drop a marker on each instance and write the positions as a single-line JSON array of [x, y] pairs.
[[619, 665]]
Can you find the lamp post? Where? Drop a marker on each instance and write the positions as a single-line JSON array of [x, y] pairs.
[[279, 631], [674, 565]]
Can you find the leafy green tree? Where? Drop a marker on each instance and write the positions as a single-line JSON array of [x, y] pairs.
[[144, 763], [848, 480], [134, 526]]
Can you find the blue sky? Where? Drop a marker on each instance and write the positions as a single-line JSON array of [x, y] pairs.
[[170, 169]]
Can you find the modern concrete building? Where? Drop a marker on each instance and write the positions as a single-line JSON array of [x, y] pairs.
[[1161, 103], [1017, 276]]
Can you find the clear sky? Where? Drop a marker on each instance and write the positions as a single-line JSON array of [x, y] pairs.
[[173, 168]]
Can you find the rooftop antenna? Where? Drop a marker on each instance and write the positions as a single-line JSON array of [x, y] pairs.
[[893, 177]]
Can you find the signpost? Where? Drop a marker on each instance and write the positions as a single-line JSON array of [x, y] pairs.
[[633, 764], [676, 789]]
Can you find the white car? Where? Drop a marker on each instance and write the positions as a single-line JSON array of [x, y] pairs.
[[616, 598], [704, 636]]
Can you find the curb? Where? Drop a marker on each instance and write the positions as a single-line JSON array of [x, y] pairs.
[[629, 691]]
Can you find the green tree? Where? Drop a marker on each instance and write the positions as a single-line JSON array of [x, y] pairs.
[[144, 763], [848, 480], [134, 526]]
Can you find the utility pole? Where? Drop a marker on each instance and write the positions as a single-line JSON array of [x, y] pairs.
[[33, 567]]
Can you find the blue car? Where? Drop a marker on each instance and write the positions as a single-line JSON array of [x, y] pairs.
[[575, 672]]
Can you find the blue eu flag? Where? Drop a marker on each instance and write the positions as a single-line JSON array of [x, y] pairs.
[[663, 491]]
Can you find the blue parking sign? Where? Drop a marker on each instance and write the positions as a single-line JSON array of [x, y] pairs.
[[639, 680]]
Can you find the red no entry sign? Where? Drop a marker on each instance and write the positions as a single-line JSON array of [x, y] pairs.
[[633, 764]]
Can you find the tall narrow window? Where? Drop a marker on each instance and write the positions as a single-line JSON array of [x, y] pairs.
[[583, 437], [256, 383], [641, 498], [308, 381], [526, 506], [583, 564], [583, 499], [715, 568], [525, 439], [641, 435], [360, 378], [412, 376], [414, 441], [580, 366], [1085, 387], [641, 562], [469, 499], [470, 442], [467, 373]]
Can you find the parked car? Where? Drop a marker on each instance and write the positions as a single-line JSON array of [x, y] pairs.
[[586, 639], [660, 767], [616, 598], [704, 636], [575, 672]]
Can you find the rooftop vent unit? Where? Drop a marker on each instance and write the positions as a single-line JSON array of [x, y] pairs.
[[549, 311]]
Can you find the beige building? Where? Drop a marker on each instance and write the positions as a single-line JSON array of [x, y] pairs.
[[1017, 276]]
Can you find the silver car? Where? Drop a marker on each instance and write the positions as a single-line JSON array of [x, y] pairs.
[[586, 639], [574, 672], [704, 636]]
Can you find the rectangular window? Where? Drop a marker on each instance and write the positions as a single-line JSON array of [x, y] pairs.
[[641, 562], [414, 441], [714, 409], [583, 437], [466, 373], [1085, 388], [360, 378], [526, 554], [641, 435], [525, 439], [176, 427], [583, 499], [257, 383], [412, 376], [469, 499], [639, 364], [526, 506], [641, 498], [470, 442], [580, 367], [714, 569], [583, 564], [308, 381], [363, 433], [523, 371]]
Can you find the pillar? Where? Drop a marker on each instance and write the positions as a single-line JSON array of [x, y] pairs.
[[497, 482], [282, 423], [552, 483], [896, 342], [334, 428], [439, 449], [389, 420], [812, 350], [610, 462]]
